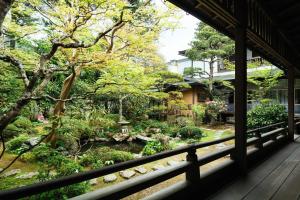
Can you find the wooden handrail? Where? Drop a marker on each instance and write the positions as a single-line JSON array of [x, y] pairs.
[[151, 178]]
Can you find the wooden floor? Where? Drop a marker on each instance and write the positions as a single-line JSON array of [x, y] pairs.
[[278, 178]]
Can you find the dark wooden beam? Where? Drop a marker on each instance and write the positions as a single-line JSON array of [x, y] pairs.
[[291, 102], [294, 5], [241, 86]]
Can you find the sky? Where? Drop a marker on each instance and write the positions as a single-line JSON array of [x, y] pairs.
[[170, 42]]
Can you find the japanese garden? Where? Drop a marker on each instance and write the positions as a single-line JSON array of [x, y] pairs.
[[83, 86]]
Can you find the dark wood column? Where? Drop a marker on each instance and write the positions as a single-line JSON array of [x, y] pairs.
[[241, 87], [291, 102]]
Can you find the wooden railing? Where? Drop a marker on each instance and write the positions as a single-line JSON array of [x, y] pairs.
[[190, 167]]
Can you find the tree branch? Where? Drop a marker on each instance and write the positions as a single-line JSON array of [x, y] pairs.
[[18, 64]]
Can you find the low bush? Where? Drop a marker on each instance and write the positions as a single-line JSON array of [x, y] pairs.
[[214, 108], [199, 112], [11, 131], [266, 114], [153, 147], [190, 132], [17, 144], [163, 126], [104, 156], [63, 167], [184, 121], [117, 156], [23, 123], [77, 128]]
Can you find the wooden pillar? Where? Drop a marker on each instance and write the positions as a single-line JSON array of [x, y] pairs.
[[241, 87], [291, 103]]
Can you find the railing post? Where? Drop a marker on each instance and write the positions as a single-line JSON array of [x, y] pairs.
[[259, 144], [193, 172]]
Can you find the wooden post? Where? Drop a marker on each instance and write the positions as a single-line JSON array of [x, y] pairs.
[[241, 87], [193, 173], [291, 103]]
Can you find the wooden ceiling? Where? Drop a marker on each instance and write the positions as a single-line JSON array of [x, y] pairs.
[[273, 25]]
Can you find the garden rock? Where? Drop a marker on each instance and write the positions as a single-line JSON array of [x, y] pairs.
[[93, 181], [127, 174], [158, 167], [33, 141], [141, 170], [1, 169], [109, 178], [135, 155], [28, 175], [143, 138], [11, 172], [172, 162], [98, 139], [119, 137]]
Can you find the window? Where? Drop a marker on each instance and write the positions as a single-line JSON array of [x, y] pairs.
[[297, 96], [283, 96]]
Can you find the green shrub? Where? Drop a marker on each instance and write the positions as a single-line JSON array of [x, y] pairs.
[[184, 121], [23, 123], [199, 111], [63, 167], [17, 144], [108, 154], [153, 147], [266, 114], [11, 131], [142, 125], [190, 132], [214, 108], [77, 128], [103, 155]]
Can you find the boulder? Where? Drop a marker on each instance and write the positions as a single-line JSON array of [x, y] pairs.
[[98, 139], [172, 163], [109, 178], [28, 175], [143, 139], [120, 137], [11, 173], [93, 181], [33, 141], [127, 174], [158, 167], [141, 170]]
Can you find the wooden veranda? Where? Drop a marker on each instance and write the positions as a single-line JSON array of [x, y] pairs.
[[262, 167]]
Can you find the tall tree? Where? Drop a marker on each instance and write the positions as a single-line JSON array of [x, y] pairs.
[[209, 46], [88, 34], [123, 81]]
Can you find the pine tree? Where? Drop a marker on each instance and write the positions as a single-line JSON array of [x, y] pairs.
[[209, 46]]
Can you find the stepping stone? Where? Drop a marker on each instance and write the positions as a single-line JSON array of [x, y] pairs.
[[109, 178], [172, 163], [93, 181], [127, 174], [141, 170], [158, 167], [1, 169], [28, 175], [11, 172]]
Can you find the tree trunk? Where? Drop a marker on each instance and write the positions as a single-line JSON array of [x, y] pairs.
[[211, 77], [120, 109], [60, 105], [5, 6]]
